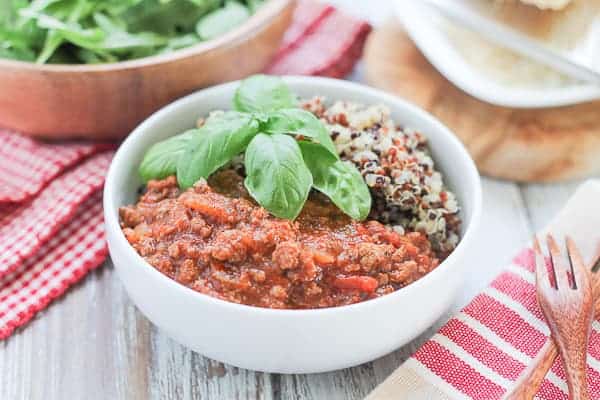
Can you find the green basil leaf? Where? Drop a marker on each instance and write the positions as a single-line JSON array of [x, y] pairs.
[[338, 180], [261, 93], [297, 121], [222, 137], [222, 20], [161, 160], [276, 176]]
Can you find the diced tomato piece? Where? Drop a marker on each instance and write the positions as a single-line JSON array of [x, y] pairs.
[[394, 238], [411, 250], [362, 283], [323, 258], [204, 207]]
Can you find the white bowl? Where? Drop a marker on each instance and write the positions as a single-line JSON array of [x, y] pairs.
[[288, 341]]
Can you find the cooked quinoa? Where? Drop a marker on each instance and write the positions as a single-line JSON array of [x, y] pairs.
[[408, 192]]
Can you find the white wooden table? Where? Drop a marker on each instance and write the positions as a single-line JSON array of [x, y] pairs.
[[94, 344]]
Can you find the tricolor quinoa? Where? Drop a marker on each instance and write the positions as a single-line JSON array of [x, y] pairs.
[[408, 192]]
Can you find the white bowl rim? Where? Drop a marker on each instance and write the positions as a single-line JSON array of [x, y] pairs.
[[112, 223]]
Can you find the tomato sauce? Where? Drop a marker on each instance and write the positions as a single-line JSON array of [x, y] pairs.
[[214, 239]]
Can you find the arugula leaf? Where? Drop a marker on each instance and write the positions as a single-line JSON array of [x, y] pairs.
[[216, 143], [276, 176], [263, 93], [70, 30], [91, 31], [296, 121], [116, 37], [161, 160], [167, 18], [15, 45], [222, 20], [338, 180], [60, 19], [254, 5], [180, 42]]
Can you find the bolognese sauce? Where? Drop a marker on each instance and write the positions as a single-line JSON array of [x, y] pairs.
[[214, 239]]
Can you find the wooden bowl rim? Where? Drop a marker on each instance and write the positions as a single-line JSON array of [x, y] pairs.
[[265, 14]]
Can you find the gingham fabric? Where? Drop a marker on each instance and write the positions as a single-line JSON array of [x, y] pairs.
[[76, 248], [28, 165], [51, 227], [481, 351], [27, 227]]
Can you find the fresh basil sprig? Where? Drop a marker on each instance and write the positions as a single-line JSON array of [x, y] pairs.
[[161, 160], [261, 93], [296, 121], [338, 180], [214, 145], [276, 175], [288, 151]]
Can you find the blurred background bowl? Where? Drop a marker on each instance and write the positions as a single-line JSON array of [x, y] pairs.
[[106, 101]]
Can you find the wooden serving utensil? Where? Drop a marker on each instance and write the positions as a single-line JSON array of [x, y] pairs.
[[533, 376], [568, 310]]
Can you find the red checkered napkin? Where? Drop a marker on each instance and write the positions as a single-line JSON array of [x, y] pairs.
[[481, 351], [51, 226], [28, 165], [76, 248], [28, 226]]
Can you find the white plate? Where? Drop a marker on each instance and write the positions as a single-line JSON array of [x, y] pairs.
[[426, 30]]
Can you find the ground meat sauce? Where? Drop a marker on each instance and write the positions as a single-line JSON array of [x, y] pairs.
[[214, 239]]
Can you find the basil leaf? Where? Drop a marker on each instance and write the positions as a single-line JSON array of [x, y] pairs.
[[215, 144], [276, 176], [338, 180], [222, 20], [297, 121], [161, 160], [260, 93]]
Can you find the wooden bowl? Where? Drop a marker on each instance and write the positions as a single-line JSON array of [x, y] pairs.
[[106, 101]]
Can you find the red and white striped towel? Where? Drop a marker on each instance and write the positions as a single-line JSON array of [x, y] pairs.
[[51, 225], [481, 351]]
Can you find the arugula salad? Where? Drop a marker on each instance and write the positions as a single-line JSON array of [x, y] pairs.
[[287, 152], [101, 31]]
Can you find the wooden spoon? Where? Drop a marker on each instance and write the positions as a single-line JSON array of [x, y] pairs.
[[533, 376]]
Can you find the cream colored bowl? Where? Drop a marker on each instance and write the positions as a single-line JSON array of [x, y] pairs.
[[107, 101]]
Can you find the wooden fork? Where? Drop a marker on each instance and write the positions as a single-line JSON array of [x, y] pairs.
[[532, 378], [568, 310]]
